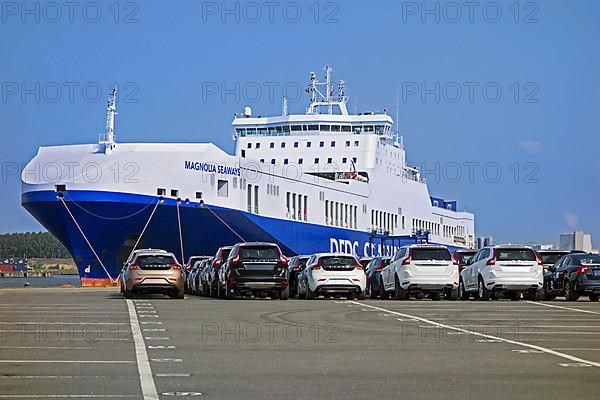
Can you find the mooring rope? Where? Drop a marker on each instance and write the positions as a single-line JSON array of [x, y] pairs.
[[180, 234], [225, 223], [144, 229]]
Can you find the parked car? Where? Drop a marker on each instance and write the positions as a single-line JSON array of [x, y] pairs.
[[498, 271], [296, 265], [464, 257], [364, 261], [373, 273], [212, 273], [188, 279], [332, 274], [191, 261], [420, 270], [549, 257], [203, 277], [195, 285], [574, 275], [152, 271], [255, 268]]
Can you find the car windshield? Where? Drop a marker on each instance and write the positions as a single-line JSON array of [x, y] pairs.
[[589, 259], [259, 253], [515, 255], [336, 261], [430, 254], [550, 258], [465, 258], [154, 261], [365, 261], [301, 263]]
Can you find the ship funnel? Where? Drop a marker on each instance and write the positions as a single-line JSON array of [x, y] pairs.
[[247, 112]]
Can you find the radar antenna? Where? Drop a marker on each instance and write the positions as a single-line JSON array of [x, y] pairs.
[[111, 111]]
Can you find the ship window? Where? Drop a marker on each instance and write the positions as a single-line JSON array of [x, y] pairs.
[[249, 145], [235, 182], [251, 131], [344, 160], [272, 131], [354, 159], [347, 143], [285, 161], [174, 193], [313, 127], [262, 160], [316, 160], [272, 145], [329, 160], [295, 144], [379, 129], [257, 145], [368, 128], [198, 195], [159, 191], [356, 128], [326, 128], [332, 143], [296, 128], [262, 131], [243, 153], [278, 129], [304, 127], [286, 129], [356, 143], [321, 144], [346, 128], [308, 144], [222, 188], [335, 128], [282, 145], [300, 161], [273, 161]]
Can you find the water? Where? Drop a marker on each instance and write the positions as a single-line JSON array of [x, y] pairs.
[[56, 280]]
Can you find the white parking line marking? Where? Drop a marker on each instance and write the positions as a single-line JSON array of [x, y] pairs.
[[161, 347], [144, 370], [150, 322], [156, 338], [482, 335], [574, 365], [573, 349], [166, 360], [47, 347], [562, 307], [66, 396], [173, 375], [155, 330]]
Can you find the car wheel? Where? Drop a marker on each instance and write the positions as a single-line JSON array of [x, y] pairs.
[[212, 290], [399, 293], [436, 296], [310, 295], [537, 295], [301, 295], [284, 293], [227, 293], [570, 294], [220, 291], [372, 291], [351, 296], [382, 293], [484, 293], [361, 295], [594, 297], [452, 294], [177, 294], [516, 296], [462, 293], [128, 294]]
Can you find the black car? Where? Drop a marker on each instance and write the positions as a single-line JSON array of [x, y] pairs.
[[373, 272], [573, 275], [550, 257], [254, 268], [463, 257], [296, 265], [212, 272]]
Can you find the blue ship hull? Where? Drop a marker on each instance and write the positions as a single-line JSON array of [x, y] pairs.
[[113, 222]]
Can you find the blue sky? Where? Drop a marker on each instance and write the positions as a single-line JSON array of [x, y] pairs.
[[516, 91]]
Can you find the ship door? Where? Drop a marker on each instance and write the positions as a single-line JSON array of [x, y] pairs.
[[249, 196]]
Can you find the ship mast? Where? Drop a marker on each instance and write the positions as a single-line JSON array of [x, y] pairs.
[[111, 112]]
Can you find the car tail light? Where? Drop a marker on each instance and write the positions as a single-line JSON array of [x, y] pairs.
[[539, 260], [176, 266], [454, 261], [492, 260], [408, 259], [235, 260], [380, 268], [359, 266], [583, 270], [218, 263], [134, 266], [317, 265], [283, 259]]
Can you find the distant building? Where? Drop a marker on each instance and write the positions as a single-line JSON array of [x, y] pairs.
[[578, 240], [543, 247], [483, 241], [11, 264]]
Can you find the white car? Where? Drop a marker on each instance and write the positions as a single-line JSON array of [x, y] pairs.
[[332, 274], [503, 271], [420, 270]]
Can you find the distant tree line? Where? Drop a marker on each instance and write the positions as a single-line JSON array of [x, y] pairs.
[[31, 245]]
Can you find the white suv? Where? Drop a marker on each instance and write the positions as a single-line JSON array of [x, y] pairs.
[[498, 271], [421, 269], [332, 274]]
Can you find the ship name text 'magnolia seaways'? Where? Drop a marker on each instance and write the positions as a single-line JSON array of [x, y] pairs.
[[324, 180]]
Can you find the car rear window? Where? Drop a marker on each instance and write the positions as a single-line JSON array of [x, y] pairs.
[[430, 254], [155, 262], [550, 258], [464, 258], [515, 255], [225, 254], [259, 253], [590, 259], [302, 262], [337, 260]]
